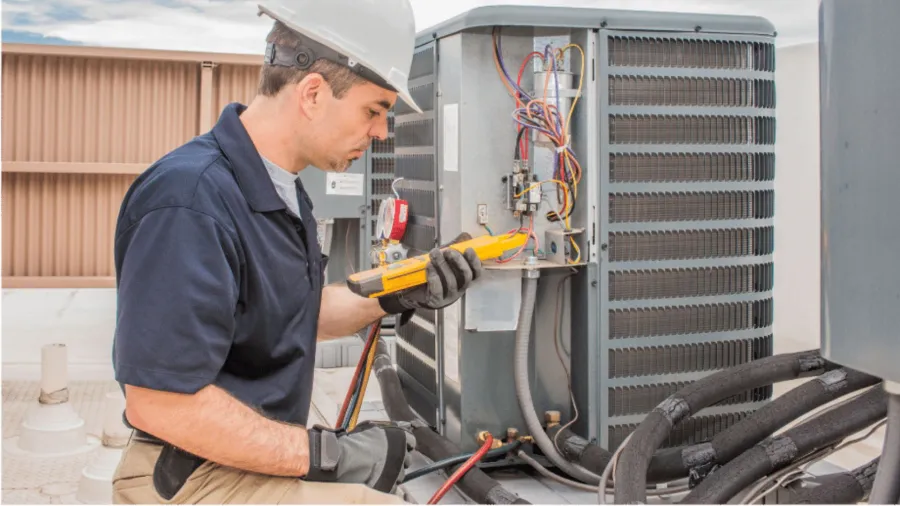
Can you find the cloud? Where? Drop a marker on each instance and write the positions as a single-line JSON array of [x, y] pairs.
[[21, 37], [233, 26]]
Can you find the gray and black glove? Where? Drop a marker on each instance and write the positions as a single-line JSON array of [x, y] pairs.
[[449, 274], [375, 454]]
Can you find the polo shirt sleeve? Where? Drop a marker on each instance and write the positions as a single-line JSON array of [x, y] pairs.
[[177, 296]]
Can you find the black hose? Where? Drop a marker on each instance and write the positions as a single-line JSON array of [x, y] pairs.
[[841, 488], [778, 452], [886, 489], [634, 462], [576, 449], [459, 459], [669, 465], [475, 484], [676, 463]]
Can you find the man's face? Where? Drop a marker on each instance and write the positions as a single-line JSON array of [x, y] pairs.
[[343, 128]]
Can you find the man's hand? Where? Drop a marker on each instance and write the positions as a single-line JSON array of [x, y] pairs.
[[449, 274], [374, 454]]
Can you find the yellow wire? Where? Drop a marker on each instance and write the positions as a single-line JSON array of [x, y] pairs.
[[539, 183], [580, 85]]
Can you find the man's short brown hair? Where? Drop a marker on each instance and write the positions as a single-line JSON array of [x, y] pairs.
[[274, 78]]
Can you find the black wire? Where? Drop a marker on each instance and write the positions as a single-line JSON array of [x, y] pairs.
[[518, 154], [459, 459]]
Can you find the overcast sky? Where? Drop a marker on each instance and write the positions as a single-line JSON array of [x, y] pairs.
[[232, 25]]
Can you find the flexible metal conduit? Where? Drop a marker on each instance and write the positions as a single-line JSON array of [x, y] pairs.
[[887, 482], [631, 471], [476, 484], [523, 388], [777, 452]]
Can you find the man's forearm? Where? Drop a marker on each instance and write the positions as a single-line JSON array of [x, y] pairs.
[[216, 426], [343, 312]]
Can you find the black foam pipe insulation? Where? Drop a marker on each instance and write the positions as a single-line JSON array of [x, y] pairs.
[[886, 489], [850, 487], [777, 452], [634, 462], [676, 463], [475, 484]]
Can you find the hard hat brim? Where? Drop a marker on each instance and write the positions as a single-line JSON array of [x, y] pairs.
[[407, 98]]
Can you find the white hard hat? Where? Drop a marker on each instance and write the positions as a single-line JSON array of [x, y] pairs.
[[374, 38]]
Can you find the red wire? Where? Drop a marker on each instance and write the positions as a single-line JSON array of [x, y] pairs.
[[468, 465], [359, 366]]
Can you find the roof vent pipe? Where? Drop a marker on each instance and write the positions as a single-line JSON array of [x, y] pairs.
[[51, 426], [95, 486]]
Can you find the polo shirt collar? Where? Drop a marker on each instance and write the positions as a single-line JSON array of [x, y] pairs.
[[246, 162]]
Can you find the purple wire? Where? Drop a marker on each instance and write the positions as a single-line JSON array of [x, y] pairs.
[[503, 67]]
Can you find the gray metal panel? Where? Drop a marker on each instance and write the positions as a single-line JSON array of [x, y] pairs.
[[587, 18], [860, 123], [333, 206]]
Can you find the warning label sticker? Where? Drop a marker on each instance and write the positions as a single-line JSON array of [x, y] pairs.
[[344, 184]]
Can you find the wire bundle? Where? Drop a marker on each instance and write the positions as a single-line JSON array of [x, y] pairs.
[[349, 414], [543, 115]]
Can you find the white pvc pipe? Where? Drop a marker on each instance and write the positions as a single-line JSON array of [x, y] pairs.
[[54, 372]]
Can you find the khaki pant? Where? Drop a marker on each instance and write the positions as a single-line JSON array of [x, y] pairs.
[[215, 484]]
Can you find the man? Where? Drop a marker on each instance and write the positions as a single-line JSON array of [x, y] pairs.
[[220, 296]]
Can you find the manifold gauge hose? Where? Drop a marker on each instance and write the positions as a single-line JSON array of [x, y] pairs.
[[392, 217]]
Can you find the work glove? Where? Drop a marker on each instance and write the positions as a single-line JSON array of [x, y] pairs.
[[449, 274], [375, 454]]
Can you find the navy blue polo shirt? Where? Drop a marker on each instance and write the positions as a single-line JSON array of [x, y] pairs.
[[218, 283]]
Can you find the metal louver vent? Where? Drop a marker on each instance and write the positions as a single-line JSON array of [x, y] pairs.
[[666, 129], [698, 319], [383, 165], [381, 186], [690, 282], [698, 54], [691, 206], [421, 202], [415, 133], [690, 244], [419, 167], [420, 237], [422, 372], [423, 95], [686, 358], [418, 337], [385, 146], [691, 167], [691, 91]]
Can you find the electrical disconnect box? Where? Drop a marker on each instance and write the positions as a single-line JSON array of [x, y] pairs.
[[637, 151]]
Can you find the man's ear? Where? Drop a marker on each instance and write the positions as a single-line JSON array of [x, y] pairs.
[[311, 92]]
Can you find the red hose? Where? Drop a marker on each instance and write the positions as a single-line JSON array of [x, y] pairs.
[[469, 464]]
